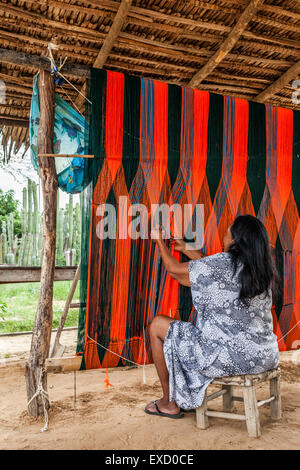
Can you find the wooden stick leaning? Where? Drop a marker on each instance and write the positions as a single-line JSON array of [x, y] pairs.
[[46, 155]]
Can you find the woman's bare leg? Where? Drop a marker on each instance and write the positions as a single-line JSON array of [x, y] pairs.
[[158, 331]]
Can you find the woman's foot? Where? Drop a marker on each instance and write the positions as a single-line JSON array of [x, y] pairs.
[[164, 406]]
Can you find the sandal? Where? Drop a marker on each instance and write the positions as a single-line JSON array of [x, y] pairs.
[[162, 414]]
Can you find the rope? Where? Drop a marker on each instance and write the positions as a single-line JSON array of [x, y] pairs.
[[73, 103], [124, 358], [56, 69], [116, 354], [288, 332], [40, 391], [78, 91]]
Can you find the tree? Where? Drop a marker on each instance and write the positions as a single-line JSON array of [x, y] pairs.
[[8, 205]]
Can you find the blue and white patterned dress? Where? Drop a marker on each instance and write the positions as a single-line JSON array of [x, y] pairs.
[[227, 339]]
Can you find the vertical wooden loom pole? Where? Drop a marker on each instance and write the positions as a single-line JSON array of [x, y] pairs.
[[41, 336]]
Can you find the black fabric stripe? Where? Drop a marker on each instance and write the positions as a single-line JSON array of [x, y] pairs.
[[185, 297], [280, 267], [97, 121], [256, 165], [131, 128], [174, 130], [214, 143]]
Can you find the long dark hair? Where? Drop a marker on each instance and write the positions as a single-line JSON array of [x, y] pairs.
[[251, 247]]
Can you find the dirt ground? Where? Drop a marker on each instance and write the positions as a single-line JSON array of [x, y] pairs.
[[114, 418]]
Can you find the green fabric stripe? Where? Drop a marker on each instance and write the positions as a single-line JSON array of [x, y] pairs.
[[256, 165], [174, 130], [97, 121], [131, 128], [214, 143]]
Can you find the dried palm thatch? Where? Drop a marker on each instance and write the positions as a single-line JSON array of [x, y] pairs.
[[244, 48]]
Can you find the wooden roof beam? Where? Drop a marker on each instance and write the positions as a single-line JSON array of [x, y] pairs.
[[229, 43], [113, 33], [281, 11], [108, 43], [292, 73], [35, 61], [13, 121], [135, 12]]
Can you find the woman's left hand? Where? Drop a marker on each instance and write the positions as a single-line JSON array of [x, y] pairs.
[[157, 234]]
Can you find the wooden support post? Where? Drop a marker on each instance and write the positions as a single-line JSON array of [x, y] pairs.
[[251, 411], [201, 414], [40, 344], [275, 392], [228, 404]]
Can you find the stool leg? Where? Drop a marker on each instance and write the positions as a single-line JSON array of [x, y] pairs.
[[251, 411], [275, 405], [201, 416], [227, 398]]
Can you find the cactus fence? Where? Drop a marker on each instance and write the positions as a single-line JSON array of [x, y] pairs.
[[26, 250]]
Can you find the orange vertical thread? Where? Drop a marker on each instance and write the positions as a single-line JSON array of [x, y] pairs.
[[106, 380]]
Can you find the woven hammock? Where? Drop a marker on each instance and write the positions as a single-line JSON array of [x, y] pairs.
[[70, 134], [159, 143]]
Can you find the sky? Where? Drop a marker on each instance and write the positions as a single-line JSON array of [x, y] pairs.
[[14, 176]]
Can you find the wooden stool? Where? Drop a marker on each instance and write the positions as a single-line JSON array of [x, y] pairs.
[[248, 382]]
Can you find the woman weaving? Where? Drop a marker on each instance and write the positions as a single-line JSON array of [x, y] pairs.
[[233, 332]]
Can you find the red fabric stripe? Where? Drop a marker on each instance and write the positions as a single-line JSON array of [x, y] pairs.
[[114, 120], [284, 155], [241, 120]]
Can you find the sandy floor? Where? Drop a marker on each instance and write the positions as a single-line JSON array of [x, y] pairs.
[[17, 346], [114, 418]]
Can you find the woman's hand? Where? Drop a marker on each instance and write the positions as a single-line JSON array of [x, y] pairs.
[[179, 244], [157, 234], [183, 247], [179, 271]]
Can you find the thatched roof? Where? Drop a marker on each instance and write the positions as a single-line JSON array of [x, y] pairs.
[[249, 49]]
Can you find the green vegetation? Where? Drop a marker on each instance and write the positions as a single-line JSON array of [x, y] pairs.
[[21, 231], [18, 305], [9, 205]]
